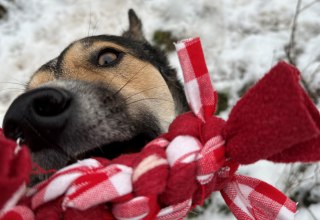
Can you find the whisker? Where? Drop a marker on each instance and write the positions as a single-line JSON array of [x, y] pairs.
[[95, 28], [11, 89], [32, 127], [156, 99], [159, 99], [101, 149], [14, 83], [98, 73], [131, 78], [144, 91], [114, 76], [88, 34], [109, 83], [17, 80]]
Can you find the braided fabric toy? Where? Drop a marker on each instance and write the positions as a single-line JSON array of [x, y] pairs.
[[200, 154]]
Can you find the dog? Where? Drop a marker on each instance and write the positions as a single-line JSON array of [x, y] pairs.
[[103, 96]]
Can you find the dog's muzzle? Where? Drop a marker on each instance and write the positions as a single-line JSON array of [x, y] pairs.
[[44, 110]]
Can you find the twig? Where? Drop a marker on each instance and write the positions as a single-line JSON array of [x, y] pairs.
[[312, 95], [291, 59], [309, 5], [290, 49]]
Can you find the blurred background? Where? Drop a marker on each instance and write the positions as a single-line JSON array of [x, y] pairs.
[[242, 40]]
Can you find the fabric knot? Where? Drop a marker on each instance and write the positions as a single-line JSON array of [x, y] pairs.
[[210, 159], [216, 166]]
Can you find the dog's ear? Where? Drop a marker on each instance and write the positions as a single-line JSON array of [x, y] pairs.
[[135, 27]]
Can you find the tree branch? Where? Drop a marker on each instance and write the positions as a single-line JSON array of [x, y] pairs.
[[290, 56]]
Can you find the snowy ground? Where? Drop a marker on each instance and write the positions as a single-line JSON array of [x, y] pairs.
[[242, 39]]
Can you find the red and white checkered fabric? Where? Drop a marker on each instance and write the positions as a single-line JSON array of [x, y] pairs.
[[201, 95], [247, 197], [136, 208], [175, 212], [210, 159], [85, 184], [250, 198]]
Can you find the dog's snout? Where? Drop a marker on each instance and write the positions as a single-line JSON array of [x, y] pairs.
[[39, 112], [50, 103]]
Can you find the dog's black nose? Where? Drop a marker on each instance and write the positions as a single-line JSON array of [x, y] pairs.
[[39, 113]]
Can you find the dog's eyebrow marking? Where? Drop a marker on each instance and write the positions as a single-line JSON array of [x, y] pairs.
[[60, 60], [44, 74], [86, 43], [51, 66], [117, 41], [40, 77]]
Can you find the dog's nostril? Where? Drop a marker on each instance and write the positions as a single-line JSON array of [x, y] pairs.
[[51, 104], [38, 113]]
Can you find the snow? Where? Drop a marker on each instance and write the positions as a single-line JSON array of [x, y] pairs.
[[242, 39]]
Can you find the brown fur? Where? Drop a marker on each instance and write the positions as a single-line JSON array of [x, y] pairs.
[[109, 110], [137, 79]]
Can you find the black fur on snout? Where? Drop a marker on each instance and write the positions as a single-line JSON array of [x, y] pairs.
[[68, 120], [39, 113]]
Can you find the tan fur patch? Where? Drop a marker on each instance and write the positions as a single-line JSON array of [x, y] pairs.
[[140, 83], [40, 78]]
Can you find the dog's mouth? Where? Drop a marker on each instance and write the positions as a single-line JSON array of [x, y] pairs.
[[115, 149], [107, 151]]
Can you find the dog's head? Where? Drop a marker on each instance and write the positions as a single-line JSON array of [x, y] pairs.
[[102, 96]]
